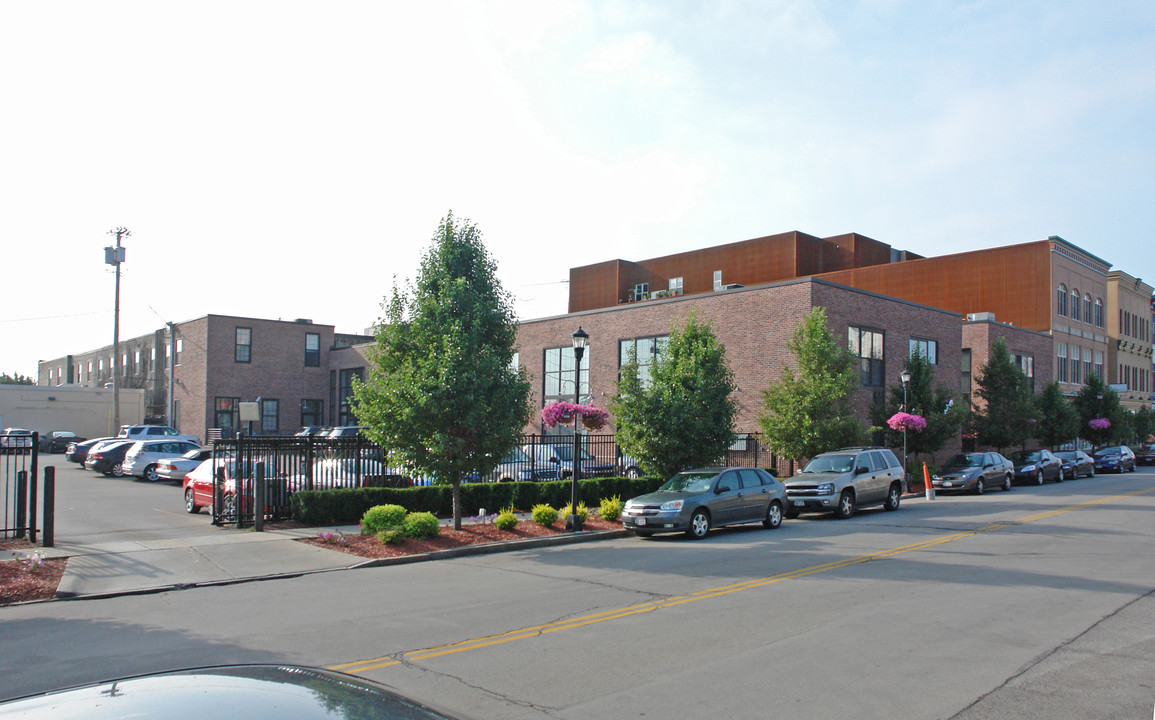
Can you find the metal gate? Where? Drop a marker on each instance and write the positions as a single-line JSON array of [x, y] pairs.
[[19, 462]]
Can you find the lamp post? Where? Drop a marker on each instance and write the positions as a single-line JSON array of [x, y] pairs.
[[905, 377], [580, 340]]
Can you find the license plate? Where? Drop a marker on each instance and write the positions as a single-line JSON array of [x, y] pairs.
[[799, 503], [639, 521]]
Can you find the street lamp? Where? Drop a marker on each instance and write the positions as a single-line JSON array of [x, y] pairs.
[[905, 377], [580, 341]]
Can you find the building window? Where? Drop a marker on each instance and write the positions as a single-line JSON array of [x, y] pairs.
[[965, 366], [179, 350], [1098, 312], [1061, 298], [925, 349], [641, 291], [1026, 365], [345, 414], [1061, 365], [646, 350], [1075, 304], [225, 414], [515, 362], [717, 280], [244, 345], [558, 377], [1075, 364], [1099, 363], [312, 412], [270, 412], [676, 286], [152, 360], [867, 346], [1087, 316], [1088, 367], [312, 350]]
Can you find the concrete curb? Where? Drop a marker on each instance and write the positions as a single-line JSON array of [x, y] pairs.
[[464, 551]]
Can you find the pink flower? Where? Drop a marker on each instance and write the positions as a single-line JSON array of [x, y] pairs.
[[1100, 424], [906, 421], [563, 413]]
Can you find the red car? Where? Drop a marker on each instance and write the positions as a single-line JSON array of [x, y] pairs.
[[198, 488]]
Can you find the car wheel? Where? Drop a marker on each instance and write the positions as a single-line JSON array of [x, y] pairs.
[[118, 470], [632, 473], [151, 474], [1091, 472], [1062, 476], [773, 516], [190, 505], [845, 504], [980, 487], [1008, 483], [893, 497], [643, 533], [699, 525], [1039, 478]]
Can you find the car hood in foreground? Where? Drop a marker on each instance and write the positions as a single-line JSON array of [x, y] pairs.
[[240, 691]]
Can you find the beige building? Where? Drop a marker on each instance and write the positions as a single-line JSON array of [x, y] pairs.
[[1129, 325]]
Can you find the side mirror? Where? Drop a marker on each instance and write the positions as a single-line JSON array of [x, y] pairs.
[[861, 469]]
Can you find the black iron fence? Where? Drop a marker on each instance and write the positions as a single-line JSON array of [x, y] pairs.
[[19, 460], [290, 464]]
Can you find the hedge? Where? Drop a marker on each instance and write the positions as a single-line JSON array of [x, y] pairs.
[[345, 506]]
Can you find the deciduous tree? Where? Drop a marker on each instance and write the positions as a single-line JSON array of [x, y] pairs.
[[1004, 419]]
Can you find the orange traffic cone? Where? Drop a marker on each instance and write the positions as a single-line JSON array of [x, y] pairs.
[[929, 486]]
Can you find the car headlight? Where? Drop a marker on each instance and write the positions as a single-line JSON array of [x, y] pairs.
[[672, 506], [826, 489], [1027, 468]]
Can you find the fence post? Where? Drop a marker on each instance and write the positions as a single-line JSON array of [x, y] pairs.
[[32, 506], [259, 500], [49, 538], [21, 503]]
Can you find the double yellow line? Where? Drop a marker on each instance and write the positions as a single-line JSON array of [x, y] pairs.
[[600, 617]]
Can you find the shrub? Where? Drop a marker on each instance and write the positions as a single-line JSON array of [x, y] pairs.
[[392, 536], [381, 517], [506, 519], [611, 508], [544, 515], [421, 525], [582, 511]]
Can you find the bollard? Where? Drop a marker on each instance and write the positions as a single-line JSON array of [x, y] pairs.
[[22, 503], [929, 486], [49, 536]]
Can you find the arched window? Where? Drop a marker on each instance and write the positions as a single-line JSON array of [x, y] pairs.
[[1087, 317], [1062, 300], [1098, 312], [1075, 304]]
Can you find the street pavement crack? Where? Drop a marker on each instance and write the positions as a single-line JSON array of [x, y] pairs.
[[585, 581], [502, 697]]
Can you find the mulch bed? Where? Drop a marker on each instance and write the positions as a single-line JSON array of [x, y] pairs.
[[368, 546], [18, 583]]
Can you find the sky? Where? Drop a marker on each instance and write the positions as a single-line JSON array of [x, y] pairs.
[[293, 159]]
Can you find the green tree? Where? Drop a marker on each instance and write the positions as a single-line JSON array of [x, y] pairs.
[[17, 379], [1056, 419], [933, 402], [442, 392], [1004, 420], [684, 414], [1097, 401], [809, 409], [1144, 424]]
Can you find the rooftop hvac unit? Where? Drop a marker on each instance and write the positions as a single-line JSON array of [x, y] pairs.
[[980, 317]]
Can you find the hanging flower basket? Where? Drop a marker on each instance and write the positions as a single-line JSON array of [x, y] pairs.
[[905, 421], [563, 413], [1100, 424]]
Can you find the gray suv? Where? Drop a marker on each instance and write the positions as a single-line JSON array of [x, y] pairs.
[[844, 480]]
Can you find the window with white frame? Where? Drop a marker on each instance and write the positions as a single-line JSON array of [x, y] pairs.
[[925, 349], [244, 345], [717, 280], [1061, 300], [1075, 304], [1098, 312], [1061, 364], [1075, 364], [867, 346], [646, 350], [1088, 317], [559, 373], [1099, 363], [676, 286]]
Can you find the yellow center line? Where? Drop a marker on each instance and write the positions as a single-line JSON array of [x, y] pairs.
[[618, 613]]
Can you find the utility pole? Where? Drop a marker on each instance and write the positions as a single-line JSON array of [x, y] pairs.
[[115, 256], [171, 370]]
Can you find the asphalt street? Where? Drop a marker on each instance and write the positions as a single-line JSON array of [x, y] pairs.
[[1033, 603]]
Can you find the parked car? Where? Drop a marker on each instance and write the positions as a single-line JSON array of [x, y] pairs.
[[561, 457], [974, 472], [13, 440], [1076, 464], [108, 457], [1144, 454], [1037, 466], [309, 430], [345, 431], [347, 472], [58, 441], [1116, 458], [175, 468], [78, 452], [154, 432], [694, 501], [841, 481], [197, 486], [142, 458], [516, 466], [629, 467]]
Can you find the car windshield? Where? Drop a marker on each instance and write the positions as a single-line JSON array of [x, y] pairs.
[[565, 453], [192, 454], [1067, 456], [691, 482], [1107, 451], [830, 464], [517, 455], [1022, 456], [964, 461]]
